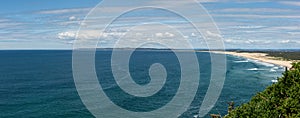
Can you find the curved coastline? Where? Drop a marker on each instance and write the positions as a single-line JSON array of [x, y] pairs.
[[263, 57]]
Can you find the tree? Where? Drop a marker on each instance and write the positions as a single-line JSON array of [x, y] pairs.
[[280, 100]]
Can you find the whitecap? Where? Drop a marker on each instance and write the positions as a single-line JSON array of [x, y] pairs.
[[261, 63], [265, 64], [243, 61], [253, 69], [272, 70], [256, 69]]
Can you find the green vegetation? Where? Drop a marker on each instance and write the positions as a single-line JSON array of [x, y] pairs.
[[281, 54], [285, 55], [280, 100]]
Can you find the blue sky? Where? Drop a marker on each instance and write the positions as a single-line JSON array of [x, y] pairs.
[[52, 24]]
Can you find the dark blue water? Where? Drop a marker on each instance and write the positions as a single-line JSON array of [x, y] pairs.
[[40, 83]]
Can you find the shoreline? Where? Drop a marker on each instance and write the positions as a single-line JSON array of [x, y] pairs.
[[263, 57]]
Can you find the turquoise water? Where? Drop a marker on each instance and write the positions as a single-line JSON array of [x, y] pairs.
[[40, 83]]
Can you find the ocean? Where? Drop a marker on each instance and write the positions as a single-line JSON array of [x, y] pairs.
[[39, 83]]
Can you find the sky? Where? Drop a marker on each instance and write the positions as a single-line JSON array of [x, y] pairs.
[[244, 24]]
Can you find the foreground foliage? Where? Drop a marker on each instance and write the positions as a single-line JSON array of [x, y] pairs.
[[280, 100]]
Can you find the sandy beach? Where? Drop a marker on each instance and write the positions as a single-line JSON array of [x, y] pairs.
[[259, 56]]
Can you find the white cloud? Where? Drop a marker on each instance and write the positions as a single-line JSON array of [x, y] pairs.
[[229, 41], [258, 42], [293, 3], [288, 42], [164, 35], [236, 22], [64, 11], [284, 41], [66, 35], [249, 27], [210, 34], [204, 1], [86, 35], [294, 33], [71, 18], [167, 34], [251, 10], [256, 16], [234, 41], [242, 42], [193, 35], [159, 34], [286, 27]]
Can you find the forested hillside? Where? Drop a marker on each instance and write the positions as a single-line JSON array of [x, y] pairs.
[[280, 100]]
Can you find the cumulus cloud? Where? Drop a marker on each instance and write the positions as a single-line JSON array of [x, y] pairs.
[[258, 42], [193, 35], [167, 34], [71, 18], [210, 34], [234, 41], [284, 41], [159, 34], [247, 41], [66, 35], [229, 41], [86, 35], [164, 35]]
